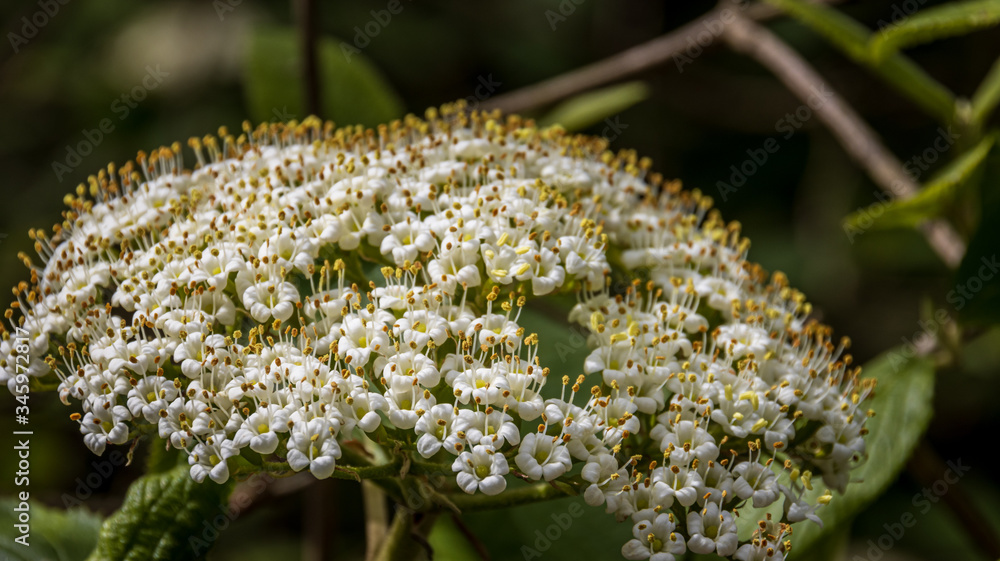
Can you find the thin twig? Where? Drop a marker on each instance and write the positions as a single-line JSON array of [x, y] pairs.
[[305, 15], [860, 141], [698, 33]]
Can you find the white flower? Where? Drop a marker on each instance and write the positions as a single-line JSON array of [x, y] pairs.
[[686, 440], [756, 480], [492, 427], [271, 299], [405, 241], [361, 408], [209, 459], [101, 427], [655, 540], [410, 365], [541, 457], [481, 469], [712, 531], [313, 444], [149, 395], [676, 482], [602, 472], [182, 419], [420, 327], [359, 338], [260, 429], [433, 427], [739, 340]]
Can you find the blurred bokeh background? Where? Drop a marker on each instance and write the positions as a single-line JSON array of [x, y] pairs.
[[151, 73]]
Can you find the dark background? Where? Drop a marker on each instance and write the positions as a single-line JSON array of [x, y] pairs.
[[695, 124]]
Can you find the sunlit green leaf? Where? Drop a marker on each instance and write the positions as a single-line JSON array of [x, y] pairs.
[[935, 23], [54, 535], [593, 107], [933, 200], [165, 517], [352, 90]]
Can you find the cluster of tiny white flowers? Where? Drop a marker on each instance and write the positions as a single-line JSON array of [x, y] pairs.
[[304, 287]]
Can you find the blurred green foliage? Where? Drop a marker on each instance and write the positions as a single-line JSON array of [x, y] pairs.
[[353, 91], [56, 535]]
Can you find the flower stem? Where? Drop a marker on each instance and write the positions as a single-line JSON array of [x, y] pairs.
[[524, 495]]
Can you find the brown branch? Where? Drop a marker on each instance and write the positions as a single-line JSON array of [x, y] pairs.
[[740, 31], [699, 32], [305, 16], [860, 141]]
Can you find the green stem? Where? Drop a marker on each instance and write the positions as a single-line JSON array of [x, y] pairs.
[[382, 471], [523, 495], [398, 545], [987, 95]]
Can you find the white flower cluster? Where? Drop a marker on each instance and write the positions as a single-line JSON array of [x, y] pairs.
[[306, 286]]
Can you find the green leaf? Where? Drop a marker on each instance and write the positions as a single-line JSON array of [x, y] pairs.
[[903, 406], [933, 200], [852, 38], [55, 535], [353, 91], [984, 101], [594, 106], [976, 292], [935, 23], [165, 516]]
